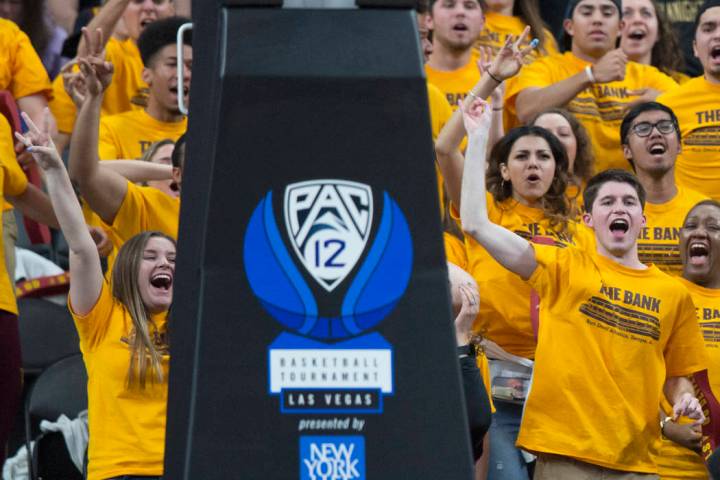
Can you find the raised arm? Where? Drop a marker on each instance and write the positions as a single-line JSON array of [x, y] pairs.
[[85, 268], [103, 189], [532, 101], [105, 20], [510, 250], [506, 64], [139, 170]]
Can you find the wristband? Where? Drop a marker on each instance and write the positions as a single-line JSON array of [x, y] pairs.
[[467, 351], [493, 76], [589, 73], [497, 109], [664, 422]]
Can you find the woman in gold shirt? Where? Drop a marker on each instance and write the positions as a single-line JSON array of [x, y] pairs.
[[648, 38], [122, 325]]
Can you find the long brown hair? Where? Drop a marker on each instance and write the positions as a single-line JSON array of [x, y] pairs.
[[554, 203], [144, 353], [33, 23], [529, 12], [666, 54], [584, 165]]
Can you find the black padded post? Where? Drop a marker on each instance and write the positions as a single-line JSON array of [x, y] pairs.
[[311, 332]]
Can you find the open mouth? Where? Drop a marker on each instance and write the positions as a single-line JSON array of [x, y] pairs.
[[460, 27], [637, 35], [533, 178], [174, 90], [698, 253], [619, 227], [657, 149], [715, 52], [162, 281]]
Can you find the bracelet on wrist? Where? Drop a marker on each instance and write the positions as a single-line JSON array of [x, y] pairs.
[[493, 76], [497, 109], [589, 73]]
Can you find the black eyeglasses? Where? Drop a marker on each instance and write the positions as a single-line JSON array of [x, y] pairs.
[[643, 129]]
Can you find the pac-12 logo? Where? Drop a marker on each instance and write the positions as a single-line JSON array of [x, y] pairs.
[[328, 224]]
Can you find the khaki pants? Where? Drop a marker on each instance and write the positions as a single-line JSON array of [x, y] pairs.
[[558, 467]]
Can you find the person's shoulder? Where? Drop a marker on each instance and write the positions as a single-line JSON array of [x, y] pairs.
[[117, 48], [8, 27], [10, 35], [122, 118], [691, 197], [694, 86]]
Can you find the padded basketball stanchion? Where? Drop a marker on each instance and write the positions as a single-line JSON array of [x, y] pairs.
[[311, 334]]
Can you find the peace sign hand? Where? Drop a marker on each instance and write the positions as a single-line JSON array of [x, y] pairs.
[[97, 72], [510, 59], [39, 143]]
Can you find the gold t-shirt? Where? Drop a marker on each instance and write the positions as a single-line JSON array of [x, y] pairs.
[[505, 306], [600, 108], [127, 135], [454, 84], [609, 337], [697, 106], [126, 424], [658, 241]]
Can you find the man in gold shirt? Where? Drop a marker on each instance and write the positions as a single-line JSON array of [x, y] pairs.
[[650, 136], [127, 135], [614, 334], [594, 80], [456, 25], [697, 105], [128, 90]]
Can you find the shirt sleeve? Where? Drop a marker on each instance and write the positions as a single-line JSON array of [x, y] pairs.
[[62, 107], [550, 278], [132, 215], [107, 149], [14, 179], [29, 76], [660, 81], [685, 351], [536, 75], [93, 325]]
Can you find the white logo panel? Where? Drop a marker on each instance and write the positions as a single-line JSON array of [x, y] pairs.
[[328, 222]]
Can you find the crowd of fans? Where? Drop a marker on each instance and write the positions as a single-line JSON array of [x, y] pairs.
[[578, 175]]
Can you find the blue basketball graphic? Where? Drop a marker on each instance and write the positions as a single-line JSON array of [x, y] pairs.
[[275, 277]]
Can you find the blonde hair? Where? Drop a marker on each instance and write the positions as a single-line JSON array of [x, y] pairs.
[[144, 353]]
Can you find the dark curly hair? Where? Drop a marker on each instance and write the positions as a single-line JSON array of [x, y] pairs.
[[554, 203]]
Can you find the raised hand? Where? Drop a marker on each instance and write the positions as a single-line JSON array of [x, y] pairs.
[[477, 116], [611, 67], [511, 57], [74, 83], [97, 72], [39, 143], [468, 311]]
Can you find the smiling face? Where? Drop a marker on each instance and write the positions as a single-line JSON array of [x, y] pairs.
[[707, 43], [456, 24], [156, 274], [595, 27], [530, 168], [654, 154], [640, 29], [617, 217], [561, 128], [140, 13], [700, 245]]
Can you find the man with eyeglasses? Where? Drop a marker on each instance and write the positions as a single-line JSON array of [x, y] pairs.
[[650, 138], [697, 105]]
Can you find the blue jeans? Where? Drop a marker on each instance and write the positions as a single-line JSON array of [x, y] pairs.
[[506, 461]]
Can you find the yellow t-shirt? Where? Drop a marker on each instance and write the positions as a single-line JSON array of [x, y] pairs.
[[455, 253], [13, 182], [600, 108], [658, 241], [127, 425], [21, 70], [127, 135], [126, 92], [697, 106], [505, 302], [609, 336], [454, 84], [440, 113], [674, 461], [146, 208]]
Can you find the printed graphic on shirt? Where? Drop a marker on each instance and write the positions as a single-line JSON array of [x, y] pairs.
[[710, 326], [665, 255], [631, 321]]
